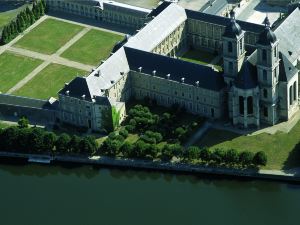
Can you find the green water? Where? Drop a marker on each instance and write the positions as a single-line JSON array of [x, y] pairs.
[[41, 195]]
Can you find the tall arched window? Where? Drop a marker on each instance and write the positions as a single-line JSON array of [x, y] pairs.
[[241, 103], [295, 90], [265, 93], [250, 105], [264, 54], [229, 46], [291, 95]]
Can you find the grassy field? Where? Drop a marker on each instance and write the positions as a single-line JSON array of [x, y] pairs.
[[7, 16], [279, 147], [48, 36], [199, 57], [49, 81], [14, 68], [92, 47]]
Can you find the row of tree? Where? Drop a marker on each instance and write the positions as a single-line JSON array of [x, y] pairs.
[[23, 20], [37, 140], [115, 145]]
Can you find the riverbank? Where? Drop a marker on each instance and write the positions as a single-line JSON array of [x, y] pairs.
[[292, 175]]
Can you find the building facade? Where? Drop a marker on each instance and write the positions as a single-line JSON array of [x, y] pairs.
[[258, 85]]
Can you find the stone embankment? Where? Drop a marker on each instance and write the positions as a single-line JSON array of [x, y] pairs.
[[292, 175]]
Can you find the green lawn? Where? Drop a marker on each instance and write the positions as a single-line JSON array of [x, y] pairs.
[[93, 47], [197, 56], [14, 68], [279, 147], [49, 81], [7, 16], [49, 36]]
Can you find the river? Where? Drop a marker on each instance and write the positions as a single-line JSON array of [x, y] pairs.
[[42, 195]]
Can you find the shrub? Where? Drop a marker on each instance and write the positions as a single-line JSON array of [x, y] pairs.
[[219, 155], [193, 152], [126, 149], [246, 157], [231, 156], [260, 159], [205, 154], [23, 122], [130, 128], [123, 132]]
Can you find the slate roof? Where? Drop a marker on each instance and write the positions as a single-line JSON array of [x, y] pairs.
[[232, 30], [155, 12], [158, 29], [223, 21], [77, 88], [288, 34], [163, 65], [286, 69], [267, 37]]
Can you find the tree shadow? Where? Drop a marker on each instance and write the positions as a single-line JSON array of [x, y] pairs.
[[293, 160], [8, 5]]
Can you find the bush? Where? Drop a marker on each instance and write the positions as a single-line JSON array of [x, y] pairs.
[[246, 157], [219, 155], [260, 159], [231, 156], [123, 132], [193, 152], [130, 128], [205, 154]]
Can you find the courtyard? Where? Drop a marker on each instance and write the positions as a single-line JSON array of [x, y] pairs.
[[51, 53], [9, 10]]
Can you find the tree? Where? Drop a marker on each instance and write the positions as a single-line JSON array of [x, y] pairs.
[[193, 152], [152, 150], [49, 141], [86, 145], [23, 122], [166, 153], [74, 144], [4, 36], [126, 149], [22, 143], [62, 143], [9, 138], [246, 157], [219, 155], [260, 159], [231, 156], [205, 154], [36, 138], [123, 132]]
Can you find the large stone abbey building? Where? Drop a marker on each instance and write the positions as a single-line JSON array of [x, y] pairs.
[[258, 84]]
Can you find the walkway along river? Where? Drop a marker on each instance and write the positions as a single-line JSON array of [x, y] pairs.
[[85, 195]]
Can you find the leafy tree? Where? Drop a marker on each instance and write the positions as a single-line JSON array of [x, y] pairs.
[[9, 139], [205, 154], [152, 150], [166, 153], [23, 122], [74, 144], [246, 157], [260, 159], [111, 147], [62, 143], [36, 138], [86, 145], [22, 143], [219, 155], [126, 149], [140, 149], [123, 132], [49, 141], [231, 156], [193, 152]]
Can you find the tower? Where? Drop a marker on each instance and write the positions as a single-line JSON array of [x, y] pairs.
[[268, 73], [233, 49]]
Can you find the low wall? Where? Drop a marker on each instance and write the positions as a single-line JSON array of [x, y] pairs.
[[37, 111]]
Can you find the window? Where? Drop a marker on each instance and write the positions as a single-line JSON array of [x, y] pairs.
[[265, 93], [241, 103], [212, 112], [265, 111], [241, 46], [295, 91], [275, 52], [264, 54], [291, 95], [229, 46], [230, 66], [264, 75], [250, 105]]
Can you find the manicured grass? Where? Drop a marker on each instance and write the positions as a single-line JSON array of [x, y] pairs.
[[7, 16], [14, 68], [4, 125], [280, 147], [93, 47], [49, 81], [197, 56], [49, 36]]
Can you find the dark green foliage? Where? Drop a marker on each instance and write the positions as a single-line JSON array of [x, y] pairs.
[[23, 20], [110, 147], [151, 137], [62, 143], [127, 149], [231, 156], [246, 157], [219, 155], [205, 154], [193, 152], [74, 144], [49, 141], [124, 133], [260, 159], [23, 122], [87, 145]]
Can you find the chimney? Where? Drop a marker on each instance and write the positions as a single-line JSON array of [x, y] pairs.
[[67, 92], [112, 81], [182, 79], [168, 76], [83, 97], [197, 83], [122, 73], [140, 69], [153, 72]]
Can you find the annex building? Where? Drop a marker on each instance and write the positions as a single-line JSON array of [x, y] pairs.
[[258, 83]]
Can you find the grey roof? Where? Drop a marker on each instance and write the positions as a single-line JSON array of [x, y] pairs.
[[178, 69], [286, 69], [267, 37], [288, 34], [223, 21], [215, 7], [77, 88], [86, 2], [247, 77], [158, 29], [125, 8], [232, 30]]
